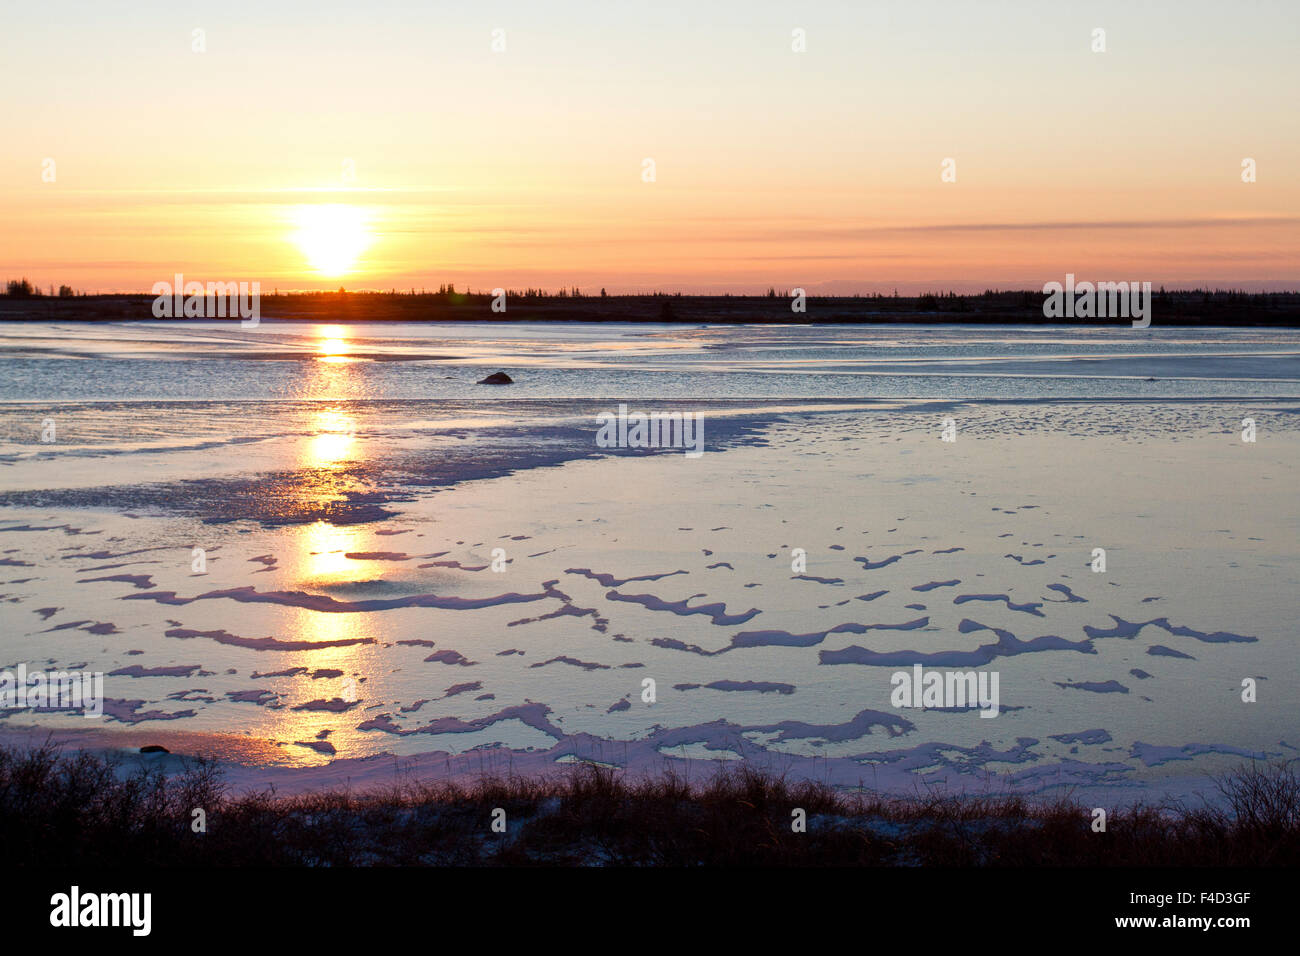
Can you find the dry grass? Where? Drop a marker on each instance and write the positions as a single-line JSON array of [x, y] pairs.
[[85, 810]]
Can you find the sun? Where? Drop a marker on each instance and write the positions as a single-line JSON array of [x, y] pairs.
[[332, 236]]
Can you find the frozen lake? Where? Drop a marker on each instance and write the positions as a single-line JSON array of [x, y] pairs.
[[397, 562]]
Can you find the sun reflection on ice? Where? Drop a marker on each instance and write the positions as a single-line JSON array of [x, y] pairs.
[[333, 440], [332, 344], [323, 548], [329, 691]]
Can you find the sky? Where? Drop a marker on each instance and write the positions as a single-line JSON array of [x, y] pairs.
[[312, 145]]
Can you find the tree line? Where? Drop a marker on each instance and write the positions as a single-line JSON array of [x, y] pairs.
[[21, 287]]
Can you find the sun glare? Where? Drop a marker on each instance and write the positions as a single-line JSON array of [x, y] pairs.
[[335, 435], [332, 236], [332, 345]]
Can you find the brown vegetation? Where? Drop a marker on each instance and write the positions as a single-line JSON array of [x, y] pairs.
[[83, 809]]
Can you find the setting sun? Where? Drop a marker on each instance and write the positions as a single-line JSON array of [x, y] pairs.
[[331, 236]]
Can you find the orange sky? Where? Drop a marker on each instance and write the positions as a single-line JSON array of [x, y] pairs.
[[522, 167]]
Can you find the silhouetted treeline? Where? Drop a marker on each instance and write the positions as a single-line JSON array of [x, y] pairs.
[[21, 288], [1227, 307]]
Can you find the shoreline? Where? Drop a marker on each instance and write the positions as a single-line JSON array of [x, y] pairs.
[[251, 764], [594, 816]]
